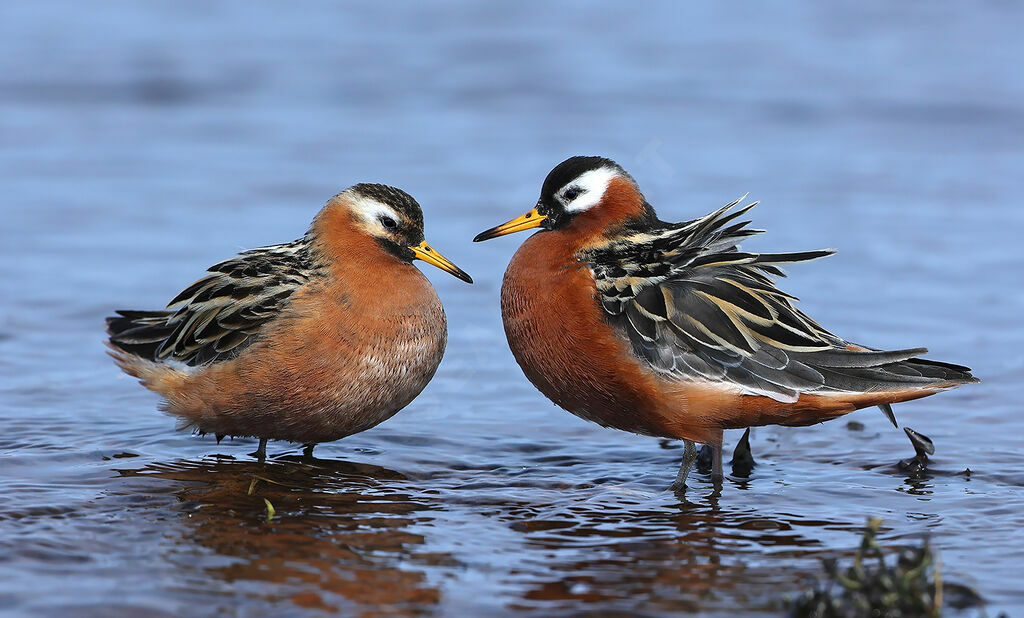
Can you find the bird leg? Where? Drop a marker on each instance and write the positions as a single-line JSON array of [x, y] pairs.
[[716, 464], [261, 452], [307, 450], [716, 460], [689, 456]]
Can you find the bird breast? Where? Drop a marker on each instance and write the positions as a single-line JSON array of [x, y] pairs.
[[346, 358], [557, 333]]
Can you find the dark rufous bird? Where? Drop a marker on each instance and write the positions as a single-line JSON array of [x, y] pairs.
[[309, 341], [670, 329]]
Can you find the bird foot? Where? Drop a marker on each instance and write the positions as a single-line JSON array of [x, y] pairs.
[[742, 459], [261, 453]]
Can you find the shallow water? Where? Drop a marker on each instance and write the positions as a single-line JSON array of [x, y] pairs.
[[141, 143]]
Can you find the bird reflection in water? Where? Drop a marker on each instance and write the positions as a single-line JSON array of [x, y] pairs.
[[339, 539], [354, 537], [621, 550]]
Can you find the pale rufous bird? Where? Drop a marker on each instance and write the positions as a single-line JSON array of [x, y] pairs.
[[308, 341]]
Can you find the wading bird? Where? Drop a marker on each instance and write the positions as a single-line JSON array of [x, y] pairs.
[[670, 329], [308, 341]]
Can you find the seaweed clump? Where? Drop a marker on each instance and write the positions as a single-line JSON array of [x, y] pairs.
[[909, 586]]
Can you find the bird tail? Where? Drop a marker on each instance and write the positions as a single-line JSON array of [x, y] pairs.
[[946, 375], [866, 371], [156, 376], [180, 396], [140, 333], [856, 377], [860, 378]]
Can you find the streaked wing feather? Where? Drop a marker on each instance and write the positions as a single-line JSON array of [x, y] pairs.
[[221, 314], [694, 306]]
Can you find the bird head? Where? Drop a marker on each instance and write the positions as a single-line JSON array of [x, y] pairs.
[[394, 219], [581, 193]]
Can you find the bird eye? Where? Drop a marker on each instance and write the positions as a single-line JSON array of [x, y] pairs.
[[389, 222], [571, 193]]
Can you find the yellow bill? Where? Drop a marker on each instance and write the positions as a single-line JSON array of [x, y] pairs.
[[430, 255], [530, 220]]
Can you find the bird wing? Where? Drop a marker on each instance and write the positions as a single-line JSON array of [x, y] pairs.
[[694, 306], [222, 313]]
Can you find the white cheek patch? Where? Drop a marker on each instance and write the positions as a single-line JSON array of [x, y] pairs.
[[592, 185], [371, 211]]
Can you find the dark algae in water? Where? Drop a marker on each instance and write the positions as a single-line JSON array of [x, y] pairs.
[[877, 585]]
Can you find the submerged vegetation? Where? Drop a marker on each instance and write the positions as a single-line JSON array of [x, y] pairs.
[[910, 585]]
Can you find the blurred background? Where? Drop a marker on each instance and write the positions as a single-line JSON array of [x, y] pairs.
[[142, 142]]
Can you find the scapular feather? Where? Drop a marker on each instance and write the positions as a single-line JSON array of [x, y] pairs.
[[694, 306]]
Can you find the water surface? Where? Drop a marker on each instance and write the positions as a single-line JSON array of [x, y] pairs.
[[140, 143]]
